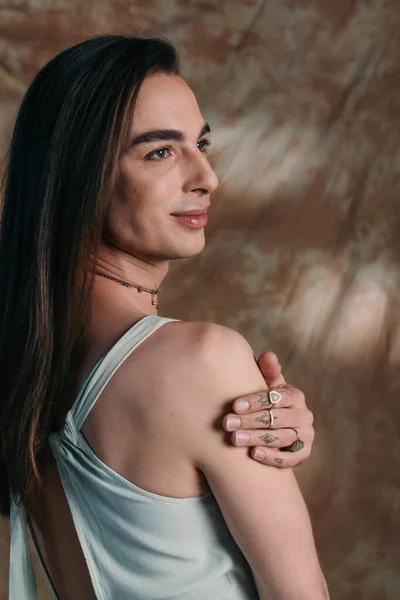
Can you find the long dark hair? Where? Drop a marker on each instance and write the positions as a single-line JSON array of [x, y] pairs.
[[70, 131]]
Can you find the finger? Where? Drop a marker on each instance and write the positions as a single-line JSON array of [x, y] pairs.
[[279, 458], [254, 402], [280, 438], [260, 400], [269, 366], [274, 418]]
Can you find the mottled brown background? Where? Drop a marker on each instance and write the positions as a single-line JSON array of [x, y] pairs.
[[303, 248]]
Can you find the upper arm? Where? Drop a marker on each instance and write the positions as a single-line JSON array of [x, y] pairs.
[[262, 506]]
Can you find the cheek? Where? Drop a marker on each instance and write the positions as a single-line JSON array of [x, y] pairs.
[[155, 193], [125, 189], [146, 190]]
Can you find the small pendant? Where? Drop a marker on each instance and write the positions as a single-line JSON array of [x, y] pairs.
[[154, 301]]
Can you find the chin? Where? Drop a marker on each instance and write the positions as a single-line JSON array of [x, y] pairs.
[[188, 248]]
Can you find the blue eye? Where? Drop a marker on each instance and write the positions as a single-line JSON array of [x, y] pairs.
[[203, 145], [159, 154], [163, 153]]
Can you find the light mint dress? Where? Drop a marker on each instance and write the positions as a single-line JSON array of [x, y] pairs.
[[137, 545]]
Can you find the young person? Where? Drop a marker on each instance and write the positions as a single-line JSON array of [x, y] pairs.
[[111, 438]]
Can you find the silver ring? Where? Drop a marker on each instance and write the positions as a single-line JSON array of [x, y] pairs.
[[274, 397], [271, 418]]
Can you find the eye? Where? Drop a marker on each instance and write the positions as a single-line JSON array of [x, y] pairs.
[[203, 145], [160, 154]]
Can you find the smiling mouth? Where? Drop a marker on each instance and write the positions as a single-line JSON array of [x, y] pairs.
[[192, 219]]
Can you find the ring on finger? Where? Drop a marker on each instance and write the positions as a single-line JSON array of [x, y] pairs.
[[274, 397], [297, 445], [271, 418]]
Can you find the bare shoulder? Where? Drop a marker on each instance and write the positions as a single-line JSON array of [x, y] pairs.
[[209, 362], [182, 379], [187, 365], [201, 368], [186, 357], [205, 344]]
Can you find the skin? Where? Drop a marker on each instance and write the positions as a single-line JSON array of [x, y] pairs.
[[203, 363], [138, 245], [158, 421]]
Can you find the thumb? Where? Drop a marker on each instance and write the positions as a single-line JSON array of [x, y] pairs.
[[269, 366]]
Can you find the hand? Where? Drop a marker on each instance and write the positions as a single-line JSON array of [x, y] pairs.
[[252, 417]]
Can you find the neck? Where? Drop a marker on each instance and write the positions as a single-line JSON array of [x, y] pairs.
[[132, 270]]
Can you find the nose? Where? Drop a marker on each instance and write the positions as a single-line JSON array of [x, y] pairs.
[[200, 177]]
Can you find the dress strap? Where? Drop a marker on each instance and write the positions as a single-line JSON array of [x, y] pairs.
[[109, 364], [22, 581]]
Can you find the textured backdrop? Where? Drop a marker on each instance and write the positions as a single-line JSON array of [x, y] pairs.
[[303, 251]]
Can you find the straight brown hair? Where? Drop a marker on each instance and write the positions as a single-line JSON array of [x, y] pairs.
[[70, 131]]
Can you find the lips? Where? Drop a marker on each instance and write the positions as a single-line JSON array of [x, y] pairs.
[[192, 219], [195, 212]]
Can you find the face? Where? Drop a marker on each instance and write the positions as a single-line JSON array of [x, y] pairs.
[[164, 174]]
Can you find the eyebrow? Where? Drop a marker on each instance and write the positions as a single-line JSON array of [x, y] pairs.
[[165, 135]]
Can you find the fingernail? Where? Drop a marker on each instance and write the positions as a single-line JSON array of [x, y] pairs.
[[259, 454], [233, 423], [241, 437], [242, 405]]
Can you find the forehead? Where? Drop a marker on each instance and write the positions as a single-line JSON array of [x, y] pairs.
[[166, 102]]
